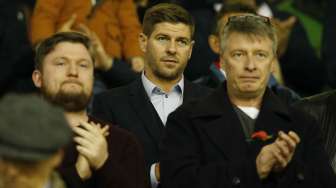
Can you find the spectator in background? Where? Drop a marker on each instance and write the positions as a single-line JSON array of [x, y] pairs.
[[102, 157], [16, 53], [33, 134], [300, 64], [115, 22]]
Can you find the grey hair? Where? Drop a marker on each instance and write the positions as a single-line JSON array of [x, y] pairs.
[[249, 24]]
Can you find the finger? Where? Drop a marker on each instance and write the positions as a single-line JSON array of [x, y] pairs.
[[83, 142], [84, 133], [105, 129], [106, 134], [71, 21], [294, 136], [84, 151], [289, 22], [281, 160], [284, 150], [83, 28], [291, 142], [91, 127]]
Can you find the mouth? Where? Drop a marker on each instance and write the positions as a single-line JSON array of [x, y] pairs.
[[169, 60], [249, 78], [72, 82]]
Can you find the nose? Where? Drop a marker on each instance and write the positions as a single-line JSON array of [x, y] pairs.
[[72, 70], [171, 48], [250, 64]]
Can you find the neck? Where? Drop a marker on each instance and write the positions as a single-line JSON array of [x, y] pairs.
[[246, 101], [75, 117], [164, 84], [31, 180]]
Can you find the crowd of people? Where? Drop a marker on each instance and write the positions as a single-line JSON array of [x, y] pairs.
[[139, 94]]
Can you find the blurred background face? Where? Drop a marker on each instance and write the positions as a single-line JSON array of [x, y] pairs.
[[247, 61], [167, 50], [67, 76]]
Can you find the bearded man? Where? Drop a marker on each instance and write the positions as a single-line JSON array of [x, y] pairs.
[[100, 157]]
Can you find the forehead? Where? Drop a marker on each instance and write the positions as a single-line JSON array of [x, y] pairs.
[[248, 41], [69, 50], [172, 29]]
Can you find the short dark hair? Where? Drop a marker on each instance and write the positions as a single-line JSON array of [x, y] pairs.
[[227, 9], [47, 45], [166, 12]]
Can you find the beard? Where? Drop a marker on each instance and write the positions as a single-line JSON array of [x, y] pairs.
[[69, 101], [168, 75]]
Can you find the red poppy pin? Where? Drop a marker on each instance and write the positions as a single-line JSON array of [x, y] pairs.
[[260, 135]]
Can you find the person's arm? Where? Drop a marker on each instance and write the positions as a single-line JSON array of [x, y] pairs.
[[181, 160], [130, 29], [311, 166], [45, 15], [125, 170]]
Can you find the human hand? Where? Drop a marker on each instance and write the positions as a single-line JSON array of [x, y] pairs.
[[276, 156], [137, 64], [157, 171], [67, 26], [103, 60], [92, 143], [83, 167], [265, 161], [286, 145]]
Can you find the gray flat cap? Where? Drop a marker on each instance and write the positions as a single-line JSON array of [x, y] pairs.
[[31, 129]]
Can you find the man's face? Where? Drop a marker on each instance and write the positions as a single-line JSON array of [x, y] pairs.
[[67, 76], [248, 62], [167, 51]]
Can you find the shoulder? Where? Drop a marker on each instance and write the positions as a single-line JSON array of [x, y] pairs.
[[116, 94], [194, 90], [315, 105]]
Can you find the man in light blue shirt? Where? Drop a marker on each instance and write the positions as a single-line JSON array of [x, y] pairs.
[[144, 105]]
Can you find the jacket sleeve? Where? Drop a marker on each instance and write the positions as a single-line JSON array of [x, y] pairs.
[[43, 23], [182, 164], [126, 171], [71, 178], [310, 165], [130, 28]]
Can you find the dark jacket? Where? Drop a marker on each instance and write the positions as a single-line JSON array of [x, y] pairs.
[[204, 146], [323, 108], [129, 107], [124, 167]]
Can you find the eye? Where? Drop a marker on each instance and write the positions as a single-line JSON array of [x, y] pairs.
[[182, 42], [59, 62], [261, 55], [84, 64], [237, 54], [162, 38]]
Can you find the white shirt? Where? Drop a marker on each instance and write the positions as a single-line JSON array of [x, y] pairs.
[[164, 103], [252, 112]]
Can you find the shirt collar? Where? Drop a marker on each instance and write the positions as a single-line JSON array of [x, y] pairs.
[[150, 87]]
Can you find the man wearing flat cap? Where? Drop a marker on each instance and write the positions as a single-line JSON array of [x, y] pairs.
[[32, 135]]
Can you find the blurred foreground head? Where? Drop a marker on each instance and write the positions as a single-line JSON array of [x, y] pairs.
[[32, 135]]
